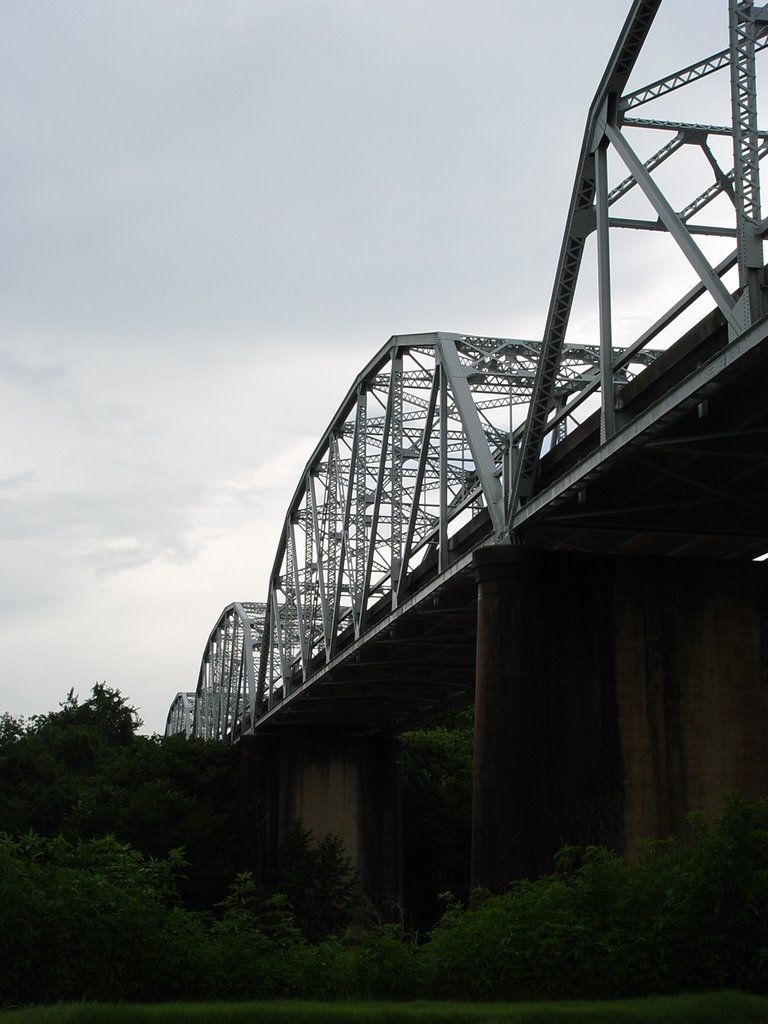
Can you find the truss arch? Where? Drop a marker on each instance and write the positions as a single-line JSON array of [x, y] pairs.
[[416, 464]]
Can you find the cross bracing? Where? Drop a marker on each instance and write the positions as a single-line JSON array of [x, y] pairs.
[[422, 445], [181, 715], [226, 687], [648, 442], [594, 206]]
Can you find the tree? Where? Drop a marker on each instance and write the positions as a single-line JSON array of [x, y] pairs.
[[89, 920], [83, 772], [437, 814], [318, 881], [106, 713]]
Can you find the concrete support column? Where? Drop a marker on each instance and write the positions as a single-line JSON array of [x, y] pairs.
[[257, 827], [691, 678], [329, 782], [614, 695], [510, 807]]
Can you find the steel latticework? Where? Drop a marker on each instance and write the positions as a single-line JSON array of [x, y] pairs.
[[592, 209], [181, 716], [225, 699], [421, 450], [448, 441]]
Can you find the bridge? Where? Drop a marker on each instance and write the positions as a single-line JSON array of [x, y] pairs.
[[605, 499]]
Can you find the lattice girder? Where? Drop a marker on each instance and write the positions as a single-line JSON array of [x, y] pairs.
[[422, 445], [594, 208], [225, 700], [181, 715]]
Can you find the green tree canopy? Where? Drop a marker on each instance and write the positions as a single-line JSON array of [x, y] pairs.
[[437, 814], [83, 772]]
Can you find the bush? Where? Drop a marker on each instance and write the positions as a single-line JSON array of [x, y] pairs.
[[97, 920], [685, 918], [437, 815], [387, 965], [82, 773], [88, 920], [318, 881]]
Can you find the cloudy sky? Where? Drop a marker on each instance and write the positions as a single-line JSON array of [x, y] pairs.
[[213, 214]]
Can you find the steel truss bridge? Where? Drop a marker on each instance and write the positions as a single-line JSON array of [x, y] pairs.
[[652, 443]]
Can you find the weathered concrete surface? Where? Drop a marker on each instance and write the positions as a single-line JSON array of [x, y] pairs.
[[614, 696], [331, 783]]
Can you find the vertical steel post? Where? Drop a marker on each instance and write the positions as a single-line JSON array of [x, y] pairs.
[[396, 487], [298, 596], [333, 575], [746, 158], [361, 503], [608, 400], [289, 591], [443, 482]]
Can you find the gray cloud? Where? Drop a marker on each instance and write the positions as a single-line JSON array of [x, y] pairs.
[[18, 372], [206, 213], [17, 482]]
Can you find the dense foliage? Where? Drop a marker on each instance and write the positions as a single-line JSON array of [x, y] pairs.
[[683, 918], [99, 901], [96, 919], [83, 772], [317, 881], [86, 919], [437, 815]]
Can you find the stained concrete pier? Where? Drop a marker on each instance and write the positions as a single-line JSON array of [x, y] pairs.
[[615, 694]]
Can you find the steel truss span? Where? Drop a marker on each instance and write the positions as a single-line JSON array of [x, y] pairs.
[[447, 441], [419, 453], [223, 705], [181, 715]]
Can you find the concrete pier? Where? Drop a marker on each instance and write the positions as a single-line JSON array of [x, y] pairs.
[[330, 782], [614, 695]]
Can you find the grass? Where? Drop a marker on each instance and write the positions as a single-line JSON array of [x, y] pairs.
[[712, 1008]]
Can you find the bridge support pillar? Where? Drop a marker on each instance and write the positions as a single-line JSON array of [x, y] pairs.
[[330, 783], [614, 695]]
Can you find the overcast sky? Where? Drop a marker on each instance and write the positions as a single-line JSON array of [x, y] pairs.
[[213, 215]]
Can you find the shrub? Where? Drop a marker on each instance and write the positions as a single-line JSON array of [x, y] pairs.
[[318, 881], [684, 918], [86, 920]]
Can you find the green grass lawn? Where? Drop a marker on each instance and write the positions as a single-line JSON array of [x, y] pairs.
[[713, 1008]]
